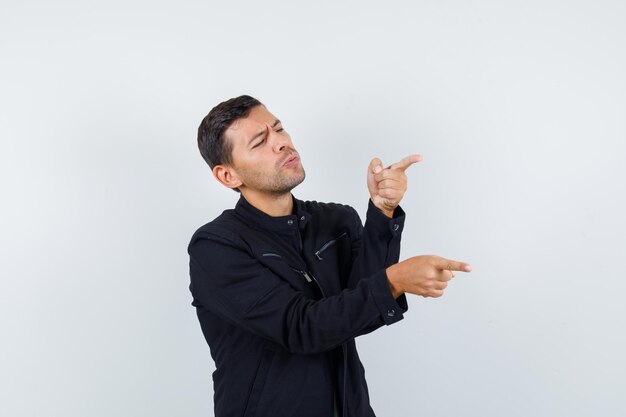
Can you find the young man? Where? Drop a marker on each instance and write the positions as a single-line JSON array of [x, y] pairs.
[[283, 286]]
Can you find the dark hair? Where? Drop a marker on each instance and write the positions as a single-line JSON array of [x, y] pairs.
[[211, 141]]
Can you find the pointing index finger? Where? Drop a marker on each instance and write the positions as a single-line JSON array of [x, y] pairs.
[[406, 162], [454, 265]]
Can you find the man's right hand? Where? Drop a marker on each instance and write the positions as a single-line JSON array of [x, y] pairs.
[[425, 275]]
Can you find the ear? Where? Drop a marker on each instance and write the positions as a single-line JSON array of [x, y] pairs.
[[227, 176]]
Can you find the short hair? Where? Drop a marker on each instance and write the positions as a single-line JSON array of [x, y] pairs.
[[211, 141]]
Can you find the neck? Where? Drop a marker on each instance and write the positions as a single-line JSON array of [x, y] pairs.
[[272, 205]]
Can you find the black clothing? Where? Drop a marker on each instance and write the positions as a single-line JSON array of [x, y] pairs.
[[279, 299]]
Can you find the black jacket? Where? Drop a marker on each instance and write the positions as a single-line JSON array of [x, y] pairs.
[[281, 299]]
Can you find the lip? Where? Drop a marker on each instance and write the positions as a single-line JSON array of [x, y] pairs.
[[291, 161]]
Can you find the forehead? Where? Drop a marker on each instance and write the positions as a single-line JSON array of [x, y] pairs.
[[245, 128]]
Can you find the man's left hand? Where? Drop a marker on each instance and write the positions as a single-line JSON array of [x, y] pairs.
[[388, 185]]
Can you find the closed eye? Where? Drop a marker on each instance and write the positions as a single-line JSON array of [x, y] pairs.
[[259, 143], [264, 137]]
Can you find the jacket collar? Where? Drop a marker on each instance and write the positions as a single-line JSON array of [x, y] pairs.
[[284, 224]]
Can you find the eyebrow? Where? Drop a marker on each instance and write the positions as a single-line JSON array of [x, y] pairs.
[[276, 122]]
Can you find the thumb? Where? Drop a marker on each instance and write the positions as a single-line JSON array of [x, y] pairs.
[[375, 166]]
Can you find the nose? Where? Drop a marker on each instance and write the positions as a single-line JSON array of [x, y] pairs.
[[280, 142]]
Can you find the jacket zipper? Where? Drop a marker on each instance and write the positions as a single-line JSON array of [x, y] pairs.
[[318, 285], [306, 275], [327, 244], [310, 277]]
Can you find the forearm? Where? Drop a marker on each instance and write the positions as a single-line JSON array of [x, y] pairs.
[[231, 284], [378, 244]]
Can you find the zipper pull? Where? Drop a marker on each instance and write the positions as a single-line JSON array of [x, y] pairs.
[[308, 278], [318, 256]]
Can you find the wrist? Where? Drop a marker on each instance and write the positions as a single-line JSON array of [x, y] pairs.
[[388, 213], [393, 280], [385, 210]]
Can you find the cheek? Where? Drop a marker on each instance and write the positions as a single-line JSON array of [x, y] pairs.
[[260, 161]]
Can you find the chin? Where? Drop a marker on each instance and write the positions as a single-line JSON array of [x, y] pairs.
[[296, 180], [302, 177]]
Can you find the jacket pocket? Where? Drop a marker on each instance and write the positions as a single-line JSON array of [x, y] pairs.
[[320, 251], [258, 384], [298, 276], [270, 255]]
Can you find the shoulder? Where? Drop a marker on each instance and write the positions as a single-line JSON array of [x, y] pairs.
[[222, 229], [332, 214], [316, 207]]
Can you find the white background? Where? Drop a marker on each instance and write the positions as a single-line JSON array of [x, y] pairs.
[[517, 107]]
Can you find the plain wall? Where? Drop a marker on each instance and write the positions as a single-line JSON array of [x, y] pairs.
[[517, 108]]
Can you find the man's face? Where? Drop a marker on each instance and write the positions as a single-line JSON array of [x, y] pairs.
[[263, 156]]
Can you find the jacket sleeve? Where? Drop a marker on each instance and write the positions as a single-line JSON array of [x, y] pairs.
[[227, 280], [375, 247]]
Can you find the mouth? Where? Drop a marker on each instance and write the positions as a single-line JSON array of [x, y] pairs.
[[291, 161]]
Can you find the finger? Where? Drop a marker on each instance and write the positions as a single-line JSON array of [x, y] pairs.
[[406, 162], [376, 165], [445, 275], [440, 286], [450, 265], [392, 174], [392, 184], [389, 193], [434, 293]]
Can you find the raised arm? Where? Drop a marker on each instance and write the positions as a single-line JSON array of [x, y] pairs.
[[377, 245]]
